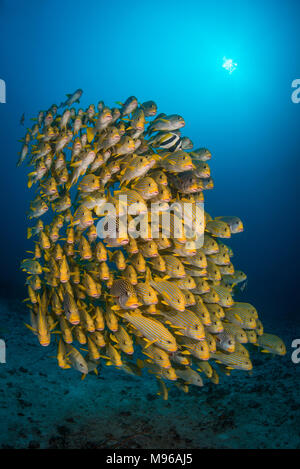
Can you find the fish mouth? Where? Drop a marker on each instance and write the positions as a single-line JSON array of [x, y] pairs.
[[133, 306], [197, 337], [131, 303], [45, 343], [188, 166], [123, 241]]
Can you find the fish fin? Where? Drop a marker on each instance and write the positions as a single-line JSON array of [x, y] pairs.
[[75, 164], [90, 133], [110, 255], [265, 351], [151, 342], [113, 338], [30, 327]]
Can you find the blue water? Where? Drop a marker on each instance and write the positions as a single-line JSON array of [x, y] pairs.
[[171, 52]]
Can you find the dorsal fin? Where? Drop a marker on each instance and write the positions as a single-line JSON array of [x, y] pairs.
[[148, 277]]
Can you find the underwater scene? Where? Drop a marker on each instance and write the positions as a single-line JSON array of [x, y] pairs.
[[149, 242]]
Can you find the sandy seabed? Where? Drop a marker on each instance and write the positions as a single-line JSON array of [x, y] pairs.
[[42, 406]]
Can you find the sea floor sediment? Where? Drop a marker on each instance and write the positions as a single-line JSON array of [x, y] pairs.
[[42, 406]]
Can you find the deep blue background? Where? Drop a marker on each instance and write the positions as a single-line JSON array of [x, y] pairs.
[[171, 52]]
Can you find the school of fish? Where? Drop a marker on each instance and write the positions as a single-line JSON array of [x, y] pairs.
[[157, 304]]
